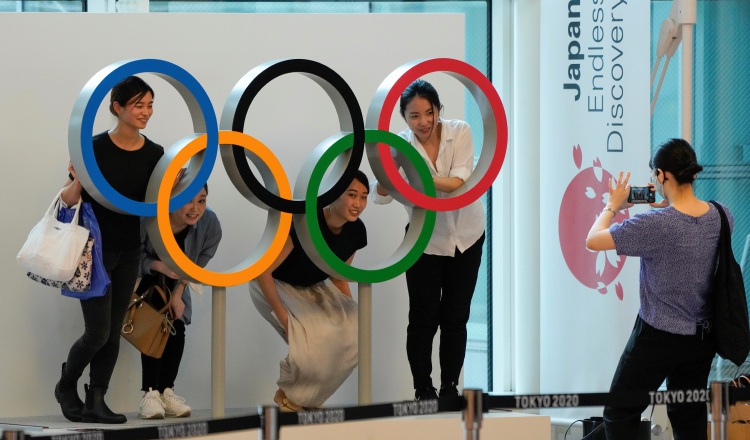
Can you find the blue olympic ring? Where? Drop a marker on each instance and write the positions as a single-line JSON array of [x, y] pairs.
[[81, 127]]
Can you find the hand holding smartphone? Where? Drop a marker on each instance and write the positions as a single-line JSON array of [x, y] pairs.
[[641, 194]]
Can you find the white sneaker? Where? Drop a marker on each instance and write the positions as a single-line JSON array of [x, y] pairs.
[[151, 406], [174, 405]]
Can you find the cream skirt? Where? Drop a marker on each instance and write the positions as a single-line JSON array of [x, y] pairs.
[[322, 339]]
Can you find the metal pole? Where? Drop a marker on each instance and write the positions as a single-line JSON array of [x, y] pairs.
[[719, 410], [218, 349], [365, 343], [269, 423], [687, 82], [472, 414]]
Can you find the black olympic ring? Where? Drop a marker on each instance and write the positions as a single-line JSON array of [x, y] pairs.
[[350, 121]]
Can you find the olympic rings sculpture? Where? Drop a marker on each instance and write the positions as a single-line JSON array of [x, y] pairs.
[[386, 152]]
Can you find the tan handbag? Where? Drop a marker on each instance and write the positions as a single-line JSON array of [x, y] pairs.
[[145, 327]]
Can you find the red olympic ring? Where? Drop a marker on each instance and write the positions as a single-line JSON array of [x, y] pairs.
[[495, 132]]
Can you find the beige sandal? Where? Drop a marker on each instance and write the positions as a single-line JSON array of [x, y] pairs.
[[285, 405]]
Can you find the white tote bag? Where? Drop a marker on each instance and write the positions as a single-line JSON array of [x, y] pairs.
[[53, 248]]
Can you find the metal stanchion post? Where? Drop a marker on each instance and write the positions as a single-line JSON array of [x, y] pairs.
[[218, 349], [719, 410], [364, 373], [269, 423], [472, 414]]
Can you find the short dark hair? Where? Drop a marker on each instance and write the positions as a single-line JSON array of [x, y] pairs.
[[678, 157], [422, 89], [127, 89]]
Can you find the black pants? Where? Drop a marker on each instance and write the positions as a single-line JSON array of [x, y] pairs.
[[160, 374], [651, 356], [100, 344], [440, 292]]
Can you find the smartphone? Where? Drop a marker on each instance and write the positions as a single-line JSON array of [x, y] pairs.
[[641, 194]]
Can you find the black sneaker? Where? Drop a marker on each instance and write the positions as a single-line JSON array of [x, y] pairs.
[[448, 391], [429, 393]]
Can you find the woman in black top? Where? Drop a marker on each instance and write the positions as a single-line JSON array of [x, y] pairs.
[[126, 159], [315, 313]]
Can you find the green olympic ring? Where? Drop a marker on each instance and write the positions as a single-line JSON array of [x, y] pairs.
[[421, 225]]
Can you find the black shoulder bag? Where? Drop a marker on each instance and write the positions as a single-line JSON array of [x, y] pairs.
[[731, 326]]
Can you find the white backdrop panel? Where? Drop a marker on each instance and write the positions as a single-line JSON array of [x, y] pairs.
[[46, 60]]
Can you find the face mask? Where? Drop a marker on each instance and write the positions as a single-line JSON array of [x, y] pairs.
[[659, 186]]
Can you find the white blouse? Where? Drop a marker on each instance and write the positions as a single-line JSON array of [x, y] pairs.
[[453, 229]]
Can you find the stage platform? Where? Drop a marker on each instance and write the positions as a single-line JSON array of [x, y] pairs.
[[503, 425]]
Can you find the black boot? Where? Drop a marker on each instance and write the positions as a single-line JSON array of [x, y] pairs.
[[95, 410], [66, 393]]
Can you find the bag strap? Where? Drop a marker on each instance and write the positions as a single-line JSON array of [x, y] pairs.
[[163, 291], [57, 202], [161, 288], [54, 207], [166, 293], [127, 326], [725, 236], [724, 252]]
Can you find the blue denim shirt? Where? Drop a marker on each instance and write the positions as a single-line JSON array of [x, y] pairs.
[[201, 243]]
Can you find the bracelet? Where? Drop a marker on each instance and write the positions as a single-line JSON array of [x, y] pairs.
[[614, 213]]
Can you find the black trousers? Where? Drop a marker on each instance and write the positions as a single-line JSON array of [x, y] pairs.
[[100, 344], [650, 356], [160, 374], [440, 292]]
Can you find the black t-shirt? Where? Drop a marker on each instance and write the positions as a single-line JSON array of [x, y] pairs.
[[298, 270], [128, 173]]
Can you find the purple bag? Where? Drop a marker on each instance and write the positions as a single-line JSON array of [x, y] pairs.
[[99, 277]]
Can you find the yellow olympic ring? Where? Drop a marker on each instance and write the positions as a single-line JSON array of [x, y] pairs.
[[258, 261]]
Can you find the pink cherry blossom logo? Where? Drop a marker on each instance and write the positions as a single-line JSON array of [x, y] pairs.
[[583, 201]]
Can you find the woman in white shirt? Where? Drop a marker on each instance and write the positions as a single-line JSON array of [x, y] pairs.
[[441, 283]]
